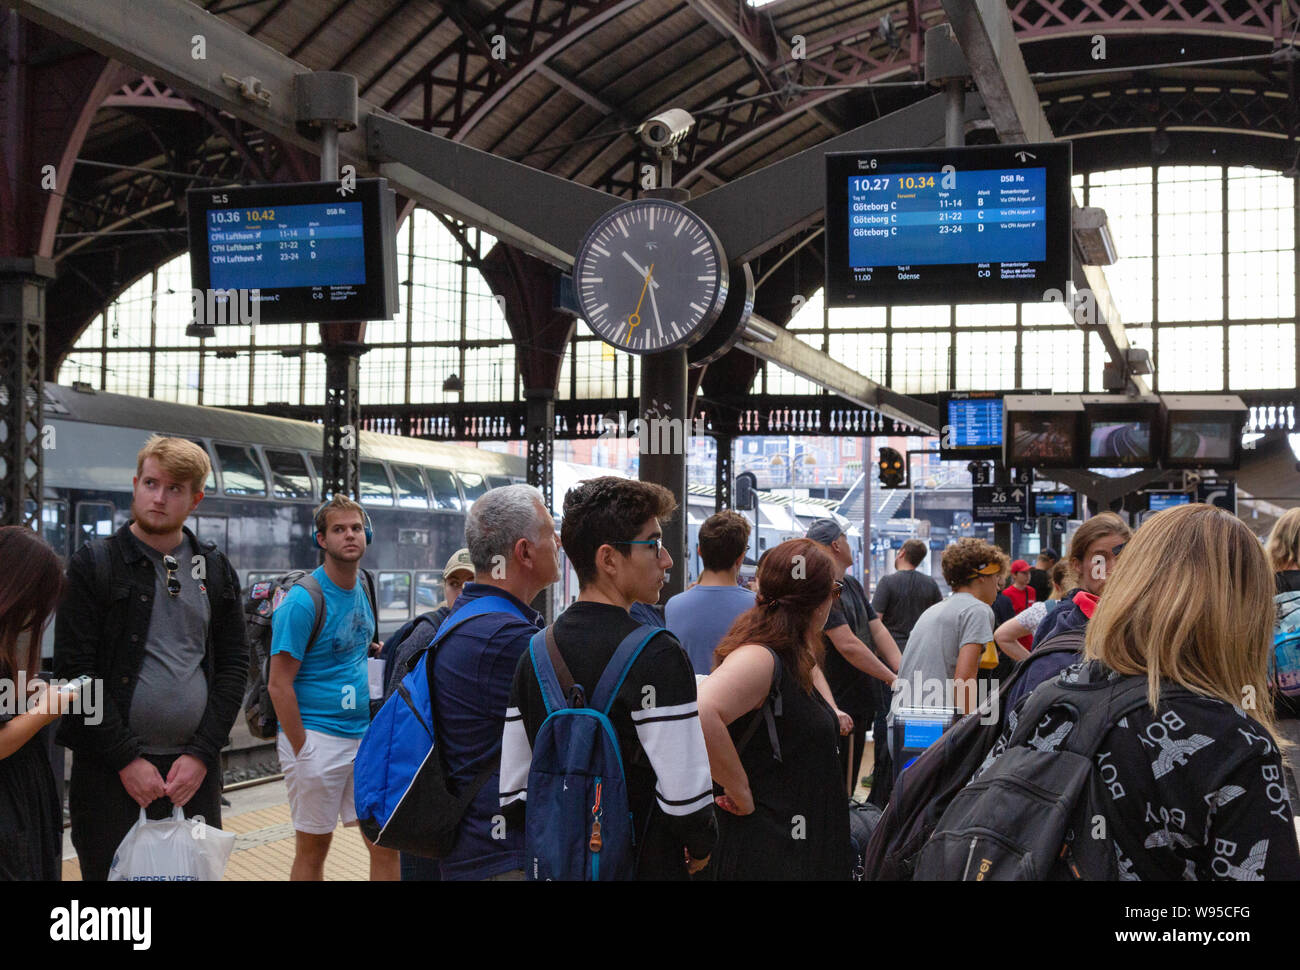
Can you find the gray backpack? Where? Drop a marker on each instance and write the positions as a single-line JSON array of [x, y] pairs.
[[1020, 819]]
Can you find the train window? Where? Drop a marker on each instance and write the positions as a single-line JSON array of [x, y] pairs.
[[496, 481], [209, 486], [445, 495], [411, 493], [394, 596], [289, 476], [375, 488], [473, 485], [94, 520], [241, 472], [54, 526], [428, 591]]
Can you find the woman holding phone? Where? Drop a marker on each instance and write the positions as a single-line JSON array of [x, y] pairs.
[[31, 818]]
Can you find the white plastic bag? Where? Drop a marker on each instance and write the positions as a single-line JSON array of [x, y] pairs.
[[171, 850]]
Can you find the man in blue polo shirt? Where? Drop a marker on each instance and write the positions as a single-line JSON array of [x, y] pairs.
[[515, 551]]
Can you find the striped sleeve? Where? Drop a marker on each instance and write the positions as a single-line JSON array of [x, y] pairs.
[[674, 744], [516, 758]]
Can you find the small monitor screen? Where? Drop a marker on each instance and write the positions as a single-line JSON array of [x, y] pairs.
[[1055, 503], [1129, 441], [1210, 441], [1166, 500], [972, 425], [1037, 438]]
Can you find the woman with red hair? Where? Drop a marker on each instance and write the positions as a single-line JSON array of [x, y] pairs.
[[771, 733]]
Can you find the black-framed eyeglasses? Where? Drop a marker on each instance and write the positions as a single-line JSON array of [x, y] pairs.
[[654, 544], [837, 588], [173, 584]]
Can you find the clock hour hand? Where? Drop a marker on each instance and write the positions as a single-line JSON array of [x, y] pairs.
[[643, 273]]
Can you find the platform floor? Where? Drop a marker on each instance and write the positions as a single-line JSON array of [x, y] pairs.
[[259, 817]]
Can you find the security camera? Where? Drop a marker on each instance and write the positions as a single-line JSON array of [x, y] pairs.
[[666, 130]]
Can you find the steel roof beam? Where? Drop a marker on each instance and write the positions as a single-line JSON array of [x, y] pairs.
[[988, 39]]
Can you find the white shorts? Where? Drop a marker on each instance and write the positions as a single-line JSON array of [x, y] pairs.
[[319, 779]]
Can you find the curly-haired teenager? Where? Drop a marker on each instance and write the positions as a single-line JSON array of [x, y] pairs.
[[941, 662]]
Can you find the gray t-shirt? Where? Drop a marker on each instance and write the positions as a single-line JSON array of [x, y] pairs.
[[931, 655], [171, 692], [701, 616]]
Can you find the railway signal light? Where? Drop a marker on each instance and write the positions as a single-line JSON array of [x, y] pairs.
[[893, 469]]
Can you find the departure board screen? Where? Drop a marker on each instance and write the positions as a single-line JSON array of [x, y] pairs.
[[295, 252], [273, 247], [987, 225], [1056, 503], [971, 425], [1159, 501]]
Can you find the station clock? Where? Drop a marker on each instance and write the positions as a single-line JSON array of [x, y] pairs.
[[650, 276]]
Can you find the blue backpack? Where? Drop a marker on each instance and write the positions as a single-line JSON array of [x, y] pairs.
[[578, 825], [1286, 644], [399, 786]]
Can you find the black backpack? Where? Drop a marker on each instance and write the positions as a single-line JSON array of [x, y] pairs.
[[923, 792], [262, 600], [1028, 816]]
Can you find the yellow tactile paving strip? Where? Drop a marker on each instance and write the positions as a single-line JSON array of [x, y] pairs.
[[270, 861]]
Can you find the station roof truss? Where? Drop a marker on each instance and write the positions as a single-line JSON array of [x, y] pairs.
[[560, 85]]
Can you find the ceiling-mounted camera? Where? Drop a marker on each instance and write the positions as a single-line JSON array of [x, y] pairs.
[[665, 131]]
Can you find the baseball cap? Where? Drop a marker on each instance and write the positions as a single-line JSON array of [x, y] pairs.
[[1050, 553], [1020, 566], [824, 531], [459, 562]]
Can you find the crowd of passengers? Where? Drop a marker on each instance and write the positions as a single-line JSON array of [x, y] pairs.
[[1199, 786]]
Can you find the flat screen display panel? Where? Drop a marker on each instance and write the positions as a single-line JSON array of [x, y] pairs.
[[1156, 501], [1056, 503], [971, 424], [1043, 438], [294, 252], [1203, 440], [988, 224], [1123, 433]]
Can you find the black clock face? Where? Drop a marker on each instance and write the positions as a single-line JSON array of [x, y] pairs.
[[650, 276]]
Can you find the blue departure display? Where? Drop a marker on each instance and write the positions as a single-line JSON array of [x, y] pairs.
[[975, 423], [1158, 501], [1054, 503], [984, 217], [976, 224], [273, 247]]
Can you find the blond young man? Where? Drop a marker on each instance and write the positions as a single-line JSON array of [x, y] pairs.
[[155, 614], [321, 693]]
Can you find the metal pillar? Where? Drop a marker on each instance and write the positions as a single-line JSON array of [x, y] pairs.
[[724, 468], [541, 441], [541, 456], [663, 396], [22, 362], [342, 419]]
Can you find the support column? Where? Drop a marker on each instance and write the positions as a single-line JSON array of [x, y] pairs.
[[541, 441], [342, 419], [22, 362], [664, 398], [724, 469]]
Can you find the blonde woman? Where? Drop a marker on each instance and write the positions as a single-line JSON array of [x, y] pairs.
[[1191, 786]]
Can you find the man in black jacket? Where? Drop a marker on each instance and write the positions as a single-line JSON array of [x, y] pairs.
[[155, 614]]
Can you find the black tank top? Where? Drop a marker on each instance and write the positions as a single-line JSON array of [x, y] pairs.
[[799, 829]]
